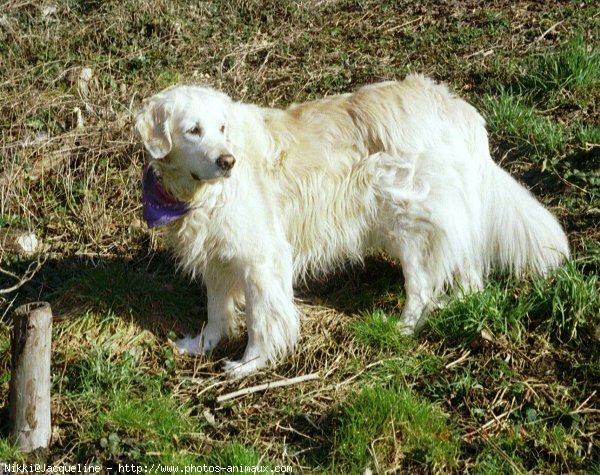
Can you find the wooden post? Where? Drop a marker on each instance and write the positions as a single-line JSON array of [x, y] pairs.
[[29, 398]]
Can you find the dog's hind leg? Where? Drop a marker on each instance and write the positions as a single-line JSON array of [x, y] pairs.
[[408, 235], [411, 250]]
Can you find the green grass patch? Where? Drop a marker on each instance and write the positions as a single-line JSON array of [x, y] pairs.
[[5, 342], [570, 74], [566, 305], [378, 330], [588, 135], [494, 461], [529, 445], [9, 453], [495, 308], [102, 371], [128, 410], [400, 354], [143, 427], [526, 110], [511, 117], [236, 454], [380, 425]]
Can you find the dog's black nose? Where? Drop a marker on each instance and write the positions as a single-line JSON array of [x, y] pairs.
[[226, 162]]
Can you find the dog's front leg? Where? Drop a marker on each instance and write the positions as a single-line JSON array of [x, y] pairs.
[[271, 316], [221, 290]]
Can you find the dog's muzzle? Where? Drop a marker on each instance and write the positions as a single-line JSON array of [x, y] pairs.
[[225, 162]]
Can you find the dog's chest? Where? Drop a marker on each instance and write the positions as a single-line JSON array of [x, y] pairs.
[[197, 239]]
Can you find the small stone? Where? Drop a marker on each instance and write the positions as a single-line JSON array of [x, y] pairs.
[[28, 243], [210, 418]]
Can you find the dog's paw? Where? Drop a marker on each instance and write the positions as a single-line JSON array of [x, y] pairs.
[[209, 340], [241, 369], [205, 342], [189, 346], [406, 329], [411, 326]]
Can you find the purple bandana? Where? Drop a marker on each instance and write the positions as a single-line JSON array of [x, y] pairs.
[[159, 207]]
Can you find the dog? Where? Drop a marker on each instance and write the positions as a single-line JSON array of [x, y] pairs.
[[256, 200]]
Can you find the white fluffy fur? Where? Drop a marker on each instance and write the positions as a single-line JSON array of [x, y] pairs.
[[399, 167]]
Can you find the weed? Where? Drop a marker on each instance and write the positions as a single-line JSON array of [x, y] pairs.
[[376, 329], [236, 454], [143, 426], [400, 355], [8, 452], [565, 304]]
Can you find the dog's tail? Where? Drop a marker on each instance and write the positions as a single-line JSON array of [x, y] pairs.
[[522, 234]]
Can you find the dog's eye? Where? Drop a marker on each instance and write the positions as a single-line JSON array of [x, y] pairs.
[[195, 130], [222, 129]]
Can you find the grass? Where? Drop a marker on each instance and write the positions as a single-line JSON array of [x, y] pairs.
[[378, 330], [380, 427], [501, 381], [519, 122], [236, 454], [572, 74], [564, 304], [523, 112], [8, 452], [495, 308]]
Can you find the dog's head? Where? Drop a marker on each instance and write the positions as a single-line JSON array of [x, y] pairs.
[[185, 128]]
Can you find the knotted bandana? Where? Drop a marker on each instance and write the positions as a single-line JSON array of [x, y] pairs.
[[159, 207]]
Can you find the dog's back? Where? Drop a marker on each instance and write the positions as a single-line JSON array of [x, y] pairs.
[[413, 152]]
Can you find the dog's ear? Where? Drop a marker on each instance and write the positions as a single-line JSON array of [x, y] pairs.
[[153, 126]]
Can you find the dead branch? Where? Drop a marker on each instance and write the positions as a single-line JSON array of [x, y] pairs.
[[29, 274], [272, 384]]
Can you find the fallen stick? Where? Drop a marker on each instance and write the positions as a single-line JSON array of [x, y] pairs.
[[272, 384], [29, 274], [463, 357], [29, 397]]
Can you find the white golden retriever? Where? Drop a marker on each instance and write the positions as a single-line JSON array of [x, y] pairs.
[[272, 196]]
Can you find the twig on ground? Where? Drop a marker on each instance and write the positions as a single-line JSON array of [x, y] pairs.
[[549, 30], [29, 274], [295, 431], [496, 420], [406, 23], [272, 384], [483, 52], [369, 366], [580, 408], [519, 470], [462, 358]]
